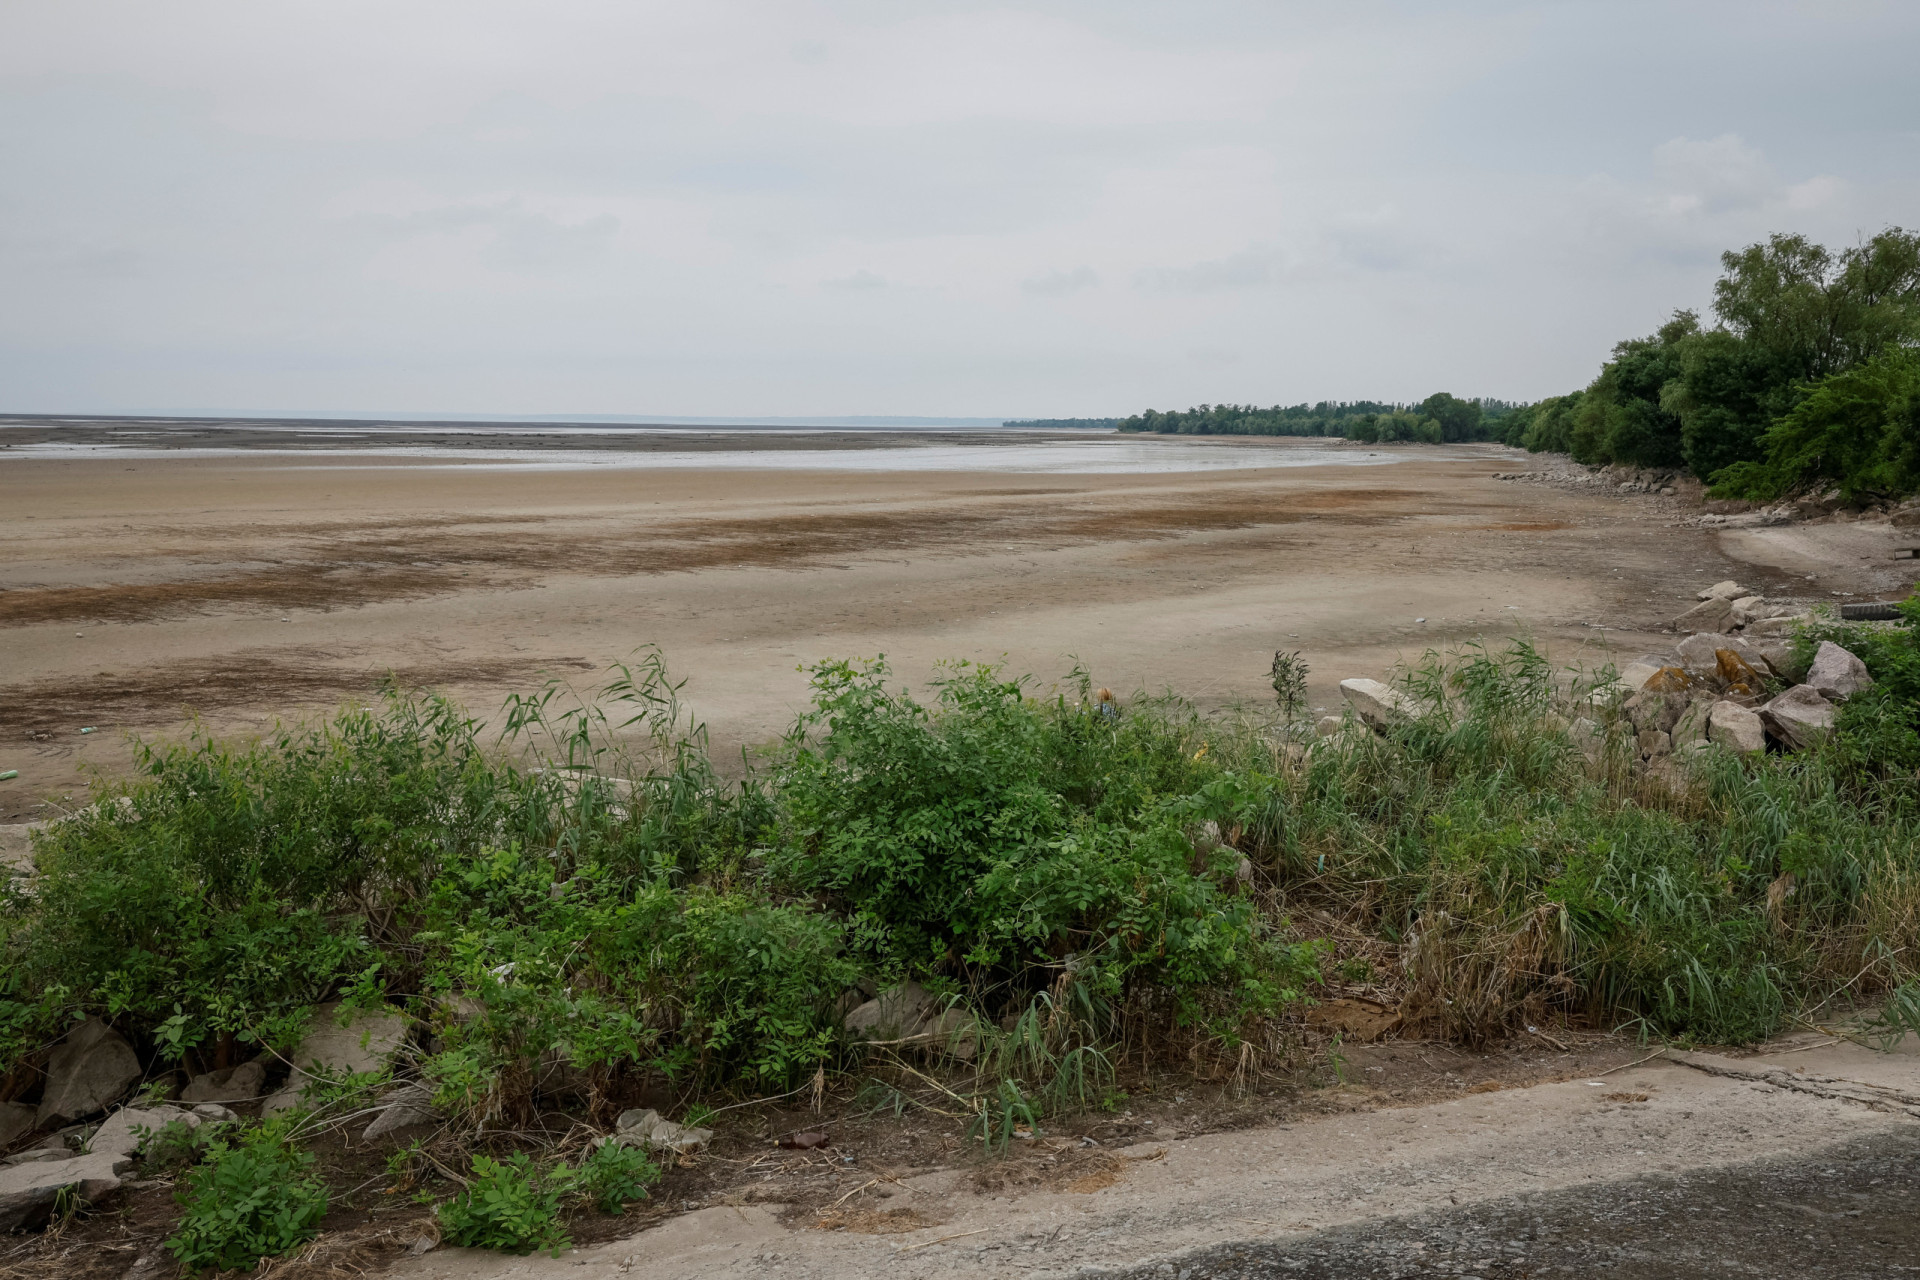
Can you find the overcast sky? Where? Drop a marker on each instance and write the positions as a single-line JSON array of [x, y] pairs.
[[575, 206]]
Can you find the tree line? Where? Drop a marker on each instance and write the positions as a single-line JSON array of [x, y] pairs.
[[1442, 418], [1809, 375]]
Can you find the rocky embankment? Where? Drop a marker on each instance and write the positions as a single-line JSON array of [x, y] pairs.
[[1686, 496], [1733, 682]]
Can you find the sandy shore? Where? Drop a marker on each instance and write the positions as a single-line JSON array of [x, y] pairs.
[[136, 592]]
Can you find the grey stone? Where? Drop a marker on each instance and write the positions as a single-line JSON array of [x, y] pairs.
[[1728, 590], [953, 1033], [121, 1134], [16, 1122], [1379, 705], [896, 1013], [89, 1069], [1715, 614], [1588, 738], [1637, 674], [1690, 730], [234, 1084], [367, 1043], [1698, 652], [1836, 674], [1778, 625], [649, 1131], [16, 846], [1649, 710], [36, 1154], [1737, 728], [1799, 717], [404, 1107], [28, 1191]]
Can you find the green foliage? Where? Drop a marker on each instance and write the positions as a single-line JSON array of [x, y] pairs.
[[1859, 429], [1440, 417], [1289, 678], [1808, 376], [175, 1145], [252, 1198], [614, 1176], [992, 835], [511, 1206]]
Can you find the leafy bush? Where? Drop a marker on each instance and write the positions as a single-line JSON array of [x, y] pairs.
[[252, 1198], [615, 1175], [993, 837], [511, 1206]]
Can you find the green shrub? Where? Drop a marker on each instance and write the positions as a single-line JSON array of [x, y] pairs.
[[512, 1206], [615, 1175], [252, 1198]]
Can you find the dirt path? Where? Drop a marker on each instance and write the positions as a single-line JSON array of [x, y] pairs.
[[1694, 1164], [241, 589]]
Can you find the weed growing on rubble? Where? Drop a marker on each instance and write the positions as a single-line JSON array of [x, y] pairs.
[[584, 909]]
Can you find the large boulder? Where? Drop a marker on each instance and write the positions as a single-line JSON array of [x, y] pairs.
[[1690, 730], [366, 1043], [1741, 677], [1650, 710], [1698, 653], [1380, 706], [1635, 675], [87, 1072], [16, 1122], [1715, 614], [1588, 738], [1728, 590], [1737, 728], [29, 1192], [1836, 674], [232, 1084], [125, 1131], [895, 1014], [1799, 717]]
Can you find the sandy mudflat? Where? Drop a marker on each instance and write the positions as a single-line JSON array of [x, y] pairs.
[[135, 591]]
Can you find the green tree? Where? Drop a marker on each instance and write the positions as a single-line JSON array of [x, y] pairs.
[[1859, 428], [1459, 419]]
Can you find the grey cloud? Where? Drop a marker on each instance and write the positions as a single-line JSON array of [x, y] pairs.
[[644, 207], [861, 281], [1058, 284], [1247, 269]]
